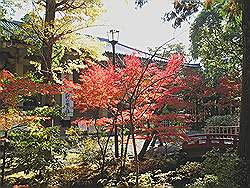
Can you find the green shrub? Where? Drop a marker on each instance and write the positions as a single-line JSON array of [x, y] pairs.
[[226, 120], [47, 111], [145, 180], [208, 181], [73, 174], [35, 151], [218, 169], [90, 150], [228, 167], [186, 173]]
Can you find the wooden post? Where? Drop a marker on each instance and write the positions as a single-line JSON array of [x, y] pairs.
[[4, 160]]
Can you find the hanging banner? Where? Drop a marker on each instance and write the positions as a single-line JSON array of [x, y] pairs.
[[67, 103]]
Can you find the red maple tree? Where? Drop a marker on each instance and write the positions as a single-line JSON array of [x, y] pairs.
[[11, 87], [135, 97], [210, 97]]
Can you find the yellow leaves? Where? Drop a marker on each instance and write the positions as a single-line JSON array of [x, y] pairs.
[[71, 17], [83, 46], [233, 8], [12, 117], [177, 4], [208, 4], [36, 64]]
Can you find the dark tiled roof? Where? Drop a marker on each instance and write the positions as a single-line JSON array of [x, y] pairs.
[[10, 26]]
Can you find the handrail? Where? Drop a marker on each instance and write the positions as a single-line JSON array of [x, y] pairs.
[[222, 129], [211, 134], [209, 140]]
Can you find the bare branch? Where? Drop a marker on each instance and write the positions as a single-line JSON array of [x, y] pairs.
[[61, 3], [68, 6]]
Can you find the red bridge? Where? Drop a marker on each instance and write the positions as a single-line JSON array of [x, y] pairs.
[[199, 144]]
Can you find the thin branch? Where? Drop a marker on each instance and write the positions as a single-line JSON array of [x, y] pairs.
[[61, 3]]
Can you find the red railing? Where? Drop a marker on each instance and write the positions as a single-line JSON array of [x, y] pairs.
[[208, 141], [235, 130]]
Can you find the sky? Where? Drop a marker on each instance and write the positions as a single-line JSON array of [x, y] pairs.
[[139, 28]]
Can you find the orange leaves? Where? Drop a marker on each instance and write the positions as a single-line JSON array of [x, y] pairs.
[[229, 87], [11, 88], [131, 94], [10, 118], [106, 87], [207, 97], [208, 3], [174, 64], [5, 75], [97, 88]]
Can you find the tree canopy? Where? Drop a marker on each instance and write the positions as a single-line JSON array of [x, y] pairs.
[[217, 42], [54, 28]]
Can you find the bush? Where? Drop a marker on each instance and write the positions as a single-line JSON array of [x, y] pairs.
[[151, 164], [72, 175], [217, 170], [226, 120], [35, 151], [186, 173], [145, 180], [47, 111], [208, 181], [228, 167], [88, 147]]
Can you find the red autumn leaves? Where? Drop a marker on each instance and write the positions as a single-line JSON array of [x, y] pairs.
[[12, 87], [134, 95]]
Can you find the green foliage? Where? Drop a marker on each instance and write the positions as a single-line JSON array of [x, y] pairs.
[[145, 180], [67, 48], [184, 10], [208, 181], [2, 11], [150, 164], [35, 78], [226, 120], [228, 167], [35, 151], [71, 175], [89, 147], [217, 42], [185, 173], [90, 152], [74, 135], [218, 169], [154, 172], [47, 111], [148, 179], [84, 160]]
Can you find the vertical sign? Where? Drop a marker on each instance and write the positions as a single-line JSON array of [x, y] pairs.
[[67, 103]]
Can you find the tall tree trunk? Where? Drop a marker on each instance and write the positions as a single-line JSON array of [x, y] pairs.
[[47, 48], [245, 98], [48, 40]]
